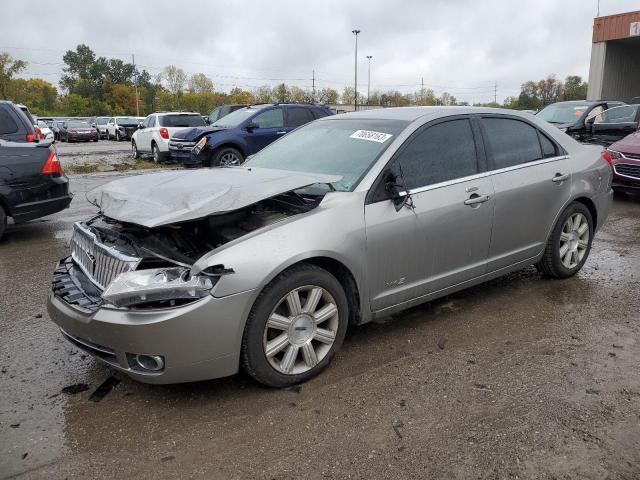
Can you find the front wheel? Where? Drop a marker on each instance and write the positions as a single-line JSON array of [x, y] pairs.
[[117, 136], [569, 245], [227, 157], [134, 150], [295, 327]]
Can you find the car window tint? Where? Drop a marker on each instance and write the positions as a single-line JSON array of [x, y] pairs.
[[297, 116], [624, 114], [512, 142], [270, 119], [7, 123], [442, 152], [319, 113], [548, 147], [152, 121]]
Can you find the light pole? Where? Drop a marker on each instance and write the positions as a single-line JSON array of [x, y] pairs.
[[355, 93], [369, 57]]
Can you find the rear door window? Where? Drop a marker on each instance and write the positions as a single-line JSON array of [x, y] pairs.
[[442, 152], [7, 124], [272, 118], [297, 116], [512, 142], [182, 121]]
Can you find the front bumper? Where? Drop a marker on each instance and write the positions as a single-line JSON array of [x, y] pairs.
[[198, 341]]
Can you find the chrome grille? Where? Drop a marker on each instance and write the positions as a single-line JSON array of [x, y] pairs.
[[100, 263], [634, 156], [627, 170]]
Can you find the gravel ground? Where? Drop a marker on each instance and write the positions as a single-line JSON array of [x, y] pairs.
[[523, 377]]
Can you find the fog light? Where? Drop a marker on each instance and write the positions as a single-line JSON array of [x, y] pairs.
[[154, 363]]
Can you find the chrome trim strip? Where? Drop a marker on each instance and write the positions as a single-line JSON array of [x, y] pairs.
[[483, 175]]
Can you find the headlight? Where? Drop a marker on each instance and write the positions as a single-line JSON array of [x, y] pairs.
[[614, 155], [157, 284], [200, 145]]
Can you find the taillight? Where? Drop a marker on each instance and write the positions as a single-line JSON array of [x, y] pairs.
[[31, 137], [164, 133], [39, 134], [52, 165]]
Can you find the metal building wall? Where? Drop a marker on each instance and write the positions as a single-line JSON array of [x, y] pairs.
[[621, 79]]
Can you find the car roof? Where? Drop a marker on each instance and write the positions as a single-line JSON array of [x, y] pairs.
[[409, 114], [175, 113]]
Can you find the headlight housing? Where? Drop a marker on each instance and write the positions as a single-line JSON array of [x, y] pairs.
[[197, 148], [157, 285]]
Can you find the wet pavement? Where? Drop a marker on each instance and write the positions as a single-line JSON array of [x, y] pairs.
[[524, 377]]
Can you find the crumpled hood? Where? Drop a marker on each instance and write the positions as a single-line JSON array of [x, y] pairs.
[[163, 198], [195, 133]]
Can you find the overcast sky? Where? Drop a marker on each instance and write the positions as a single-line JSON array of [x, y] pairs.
[[461, 46]]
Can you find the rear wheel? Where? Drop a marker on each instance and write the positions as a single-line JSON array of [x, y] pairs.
[[3, 221], [569, 245], [158, 156], [295, 327], [117, 136], [227, 157], [134, 149]]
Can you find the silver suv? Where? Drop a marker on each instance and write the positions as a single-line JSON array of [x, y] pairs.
[[154, 132]]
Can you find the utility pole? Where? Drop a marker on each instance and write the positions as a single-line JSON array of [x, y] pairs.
[[598, 8], [369, 57], [355, 83], [133, 60], [313, 86], [495, 92]]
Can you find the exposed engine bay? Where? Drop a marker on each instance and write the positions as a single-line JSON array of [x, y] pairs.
[[184, 243]]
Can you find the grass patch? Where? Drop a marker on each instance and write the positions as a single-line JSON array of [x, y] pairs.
[[86, 168]]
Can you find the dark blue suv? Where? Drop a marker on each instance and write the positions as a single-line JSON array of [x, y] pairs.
[[244, 132]]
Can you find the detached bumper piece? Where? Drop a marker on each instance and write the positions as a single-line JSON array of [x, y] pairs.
[[70, 289]]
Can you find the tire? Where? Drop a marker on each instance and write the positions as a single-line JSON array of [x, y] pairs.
[[117, 136], [227, 156], [134, 150], [158, 156], [304, 348], [3, 221], [571, 235]]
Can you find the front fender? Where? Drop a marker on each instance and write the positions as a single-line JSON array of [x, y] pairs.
[[216, 140], [335, 230]]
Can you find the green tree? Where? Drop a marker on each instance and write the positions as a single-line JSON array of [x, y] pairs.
[[200, 83], [8, 68], [263, 94], [237, 95], [549, 90], [281, 93], [328, 96], [74, 105], [529, 98], [574, 88]]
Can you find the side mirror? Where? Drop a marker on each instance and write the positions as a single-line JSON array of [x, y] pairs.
[[397, 191], [252, 126], [140, 125]]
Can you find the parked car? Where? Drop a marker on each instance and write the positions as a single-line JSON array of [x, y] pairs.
[[32, 184], [121, 128], [624, 156], [56, 127], [47, 133], [230, 140], [223, 111], [613, 124], [101, 126], [154, 132], [17, 125], [77, 131], [575, 117], [188, 275]]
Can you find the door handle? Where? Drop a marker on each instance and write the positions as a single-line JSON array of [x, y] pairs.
[[476, 199], [281, 132], [559, 178]]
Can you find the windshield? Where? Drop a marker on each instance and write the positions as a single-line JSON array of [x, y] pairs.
[[563, 112], [78, 125], [42, 124], [338, 147], [236, 118], [127, 121], [102, 121], [181, 121]]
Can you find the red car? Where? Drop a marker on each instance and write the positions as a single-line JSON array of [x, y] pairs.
[[624, 156]]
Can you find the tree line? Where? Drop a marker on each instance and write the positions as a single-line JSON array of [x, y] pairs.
[[93, 85]]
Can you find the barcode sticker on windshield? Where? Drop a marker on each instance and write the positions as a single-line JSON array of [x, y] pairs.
[[379, 137]]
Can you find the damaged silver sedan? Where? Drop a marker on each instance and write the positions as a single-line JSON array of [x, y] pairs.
[[191, 275]]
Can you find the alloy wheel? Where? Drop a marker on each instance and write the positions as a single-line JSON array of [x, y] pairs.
[[229, 159], [301, 330], [574, 240]]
